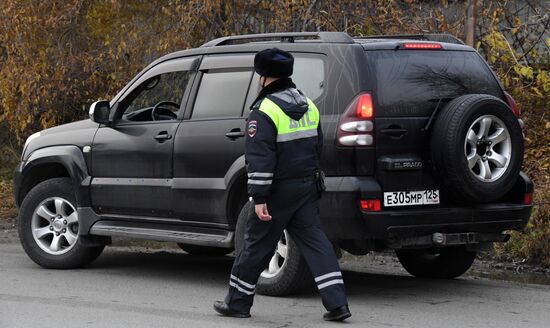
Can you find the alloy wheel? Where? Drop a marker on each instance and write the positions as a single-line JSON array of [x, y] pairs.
[[488, 148], [54, 225]]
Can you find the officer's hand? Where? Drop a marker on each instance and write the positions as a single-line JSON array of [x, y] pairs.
[[262, 213]]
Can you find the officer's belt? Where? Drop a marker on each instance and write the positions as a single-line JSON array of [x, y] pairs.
[[306, 178]]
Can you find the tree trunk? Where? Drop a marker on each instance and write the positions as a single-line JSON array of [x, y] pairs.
[[469, 27]]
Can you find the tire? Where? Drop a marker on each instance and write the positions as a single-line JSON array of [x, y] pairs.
[[293, 275], [205, 250], [473, 164], [444, 263], [47, 195]]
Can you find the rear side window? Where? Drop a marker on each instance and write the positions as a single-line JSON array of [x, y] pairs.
[[412, 83], [309, 75], [221, 94]]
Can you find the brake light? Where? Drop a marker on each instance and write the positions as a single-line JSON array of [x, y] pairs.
[[422, 46], [371, 205], [528, 198], [364, 106], [512, 103], [356, 125]]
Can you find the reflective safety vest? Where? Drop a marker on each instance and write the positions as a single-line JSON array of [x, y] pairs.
[[288, 128], [283, 141]]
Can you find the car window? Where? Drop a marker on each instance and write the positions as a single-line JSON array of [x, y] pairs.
[[412, 82], [221, 94], [167, 87], [309, 75]]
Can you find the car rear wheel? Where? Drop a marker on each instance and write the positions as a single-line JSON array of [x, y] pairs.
[[446, 263], [205, 250], [477, 148], [48, 227], [287, 271]]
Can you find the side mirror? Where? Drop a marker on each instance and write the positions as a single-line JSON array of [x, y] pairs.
[[99, 112]]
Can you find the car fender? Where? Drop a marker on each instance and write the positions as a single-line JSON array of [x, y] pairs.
[[70, 157]]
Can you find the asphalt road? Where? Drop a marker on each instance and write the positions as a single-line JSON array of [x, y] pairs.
[[136, 287]]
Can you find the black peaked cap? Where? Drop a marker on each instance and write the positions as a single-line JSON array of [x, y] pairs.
[[274, 63]]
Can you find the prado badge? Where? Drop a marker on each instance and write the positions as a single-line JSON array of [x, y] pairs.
[[252, 128]]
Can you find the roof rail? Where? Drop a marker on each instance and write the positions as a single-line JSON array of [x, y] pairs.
[[442, 37], [325, 37]]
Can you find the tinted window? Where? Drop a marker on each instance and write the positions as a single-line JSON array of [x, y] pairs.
[[221, 94], [309, 75], [413, 82], [164, 87]]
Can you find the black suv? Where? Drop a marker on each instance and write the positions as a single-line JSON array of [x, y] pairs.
[[422, 154]]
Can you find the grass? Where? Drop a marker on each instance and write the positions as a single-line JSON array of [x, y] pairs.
[[532, 244]]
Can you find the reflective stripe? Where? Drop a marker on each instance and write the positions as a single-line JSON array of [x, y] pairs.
[[260, 175], [259, 182], [245, 284], [328, 275], [296, 135], [284, 123], [231, 283], [330, 283]]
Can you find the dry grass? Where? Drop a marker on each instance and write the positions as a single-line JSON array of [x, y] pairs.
[[8, 160], [7, 204]]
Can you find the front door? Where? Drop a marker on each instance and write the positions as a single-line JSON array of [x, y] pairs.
[[132, 160]]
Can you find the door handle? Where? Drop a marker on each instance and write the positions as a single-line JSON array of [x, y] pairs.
[[394, 133], [234, 134], [162, 136]]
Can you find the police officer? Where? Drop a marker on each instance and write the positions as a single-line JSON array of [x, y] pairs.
[[283, 144]]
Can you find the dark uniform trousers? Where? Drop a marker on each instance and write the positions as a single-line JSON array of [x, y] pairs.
[[293, 206]]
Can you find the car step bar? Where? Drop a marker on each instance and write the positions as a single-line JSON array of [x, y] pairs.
[[178, 234]]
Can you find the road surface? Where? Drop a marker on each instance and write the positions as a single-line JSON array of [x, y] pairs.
[[140, 287]]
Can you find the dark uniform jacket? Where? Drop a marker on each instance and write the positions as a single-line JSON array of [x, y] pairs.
[[284, 138]]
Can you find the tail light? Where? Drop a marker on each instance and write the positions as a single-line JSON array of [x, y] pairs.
[[512, 103], [371, 205], [356, 125], [528, 198]]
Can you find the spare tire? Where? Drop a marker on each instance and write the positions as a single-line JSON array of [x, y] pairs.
[[476, 148]]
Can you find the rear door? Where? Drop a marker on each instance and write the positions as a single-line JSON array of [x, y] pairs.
[[211, 138], [409, 86]]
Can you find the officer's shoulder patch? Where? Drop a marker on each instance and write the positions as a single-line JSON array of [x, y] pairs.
[[252, 128]]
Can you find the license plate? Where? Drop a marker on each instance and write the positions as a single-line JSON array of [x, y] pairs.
[[407, 198]]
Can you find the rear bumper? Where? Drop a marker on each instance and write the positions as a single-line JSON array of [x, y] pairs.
[[492, 218], [342, 218]]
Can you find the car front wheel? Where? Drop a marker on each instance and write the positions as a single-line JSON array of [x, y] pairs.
[[48, 227]]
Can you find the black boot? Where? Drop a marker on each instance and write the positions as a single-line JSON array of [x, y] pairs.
[[338, 314], [223, 309]]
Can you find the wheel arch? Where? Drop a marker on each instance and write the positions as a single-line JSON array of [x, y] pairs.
[[53, 162], [237, 193]]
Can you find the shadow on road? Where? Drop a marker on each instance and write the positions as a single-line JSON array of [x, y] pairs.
[[174, 267]]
